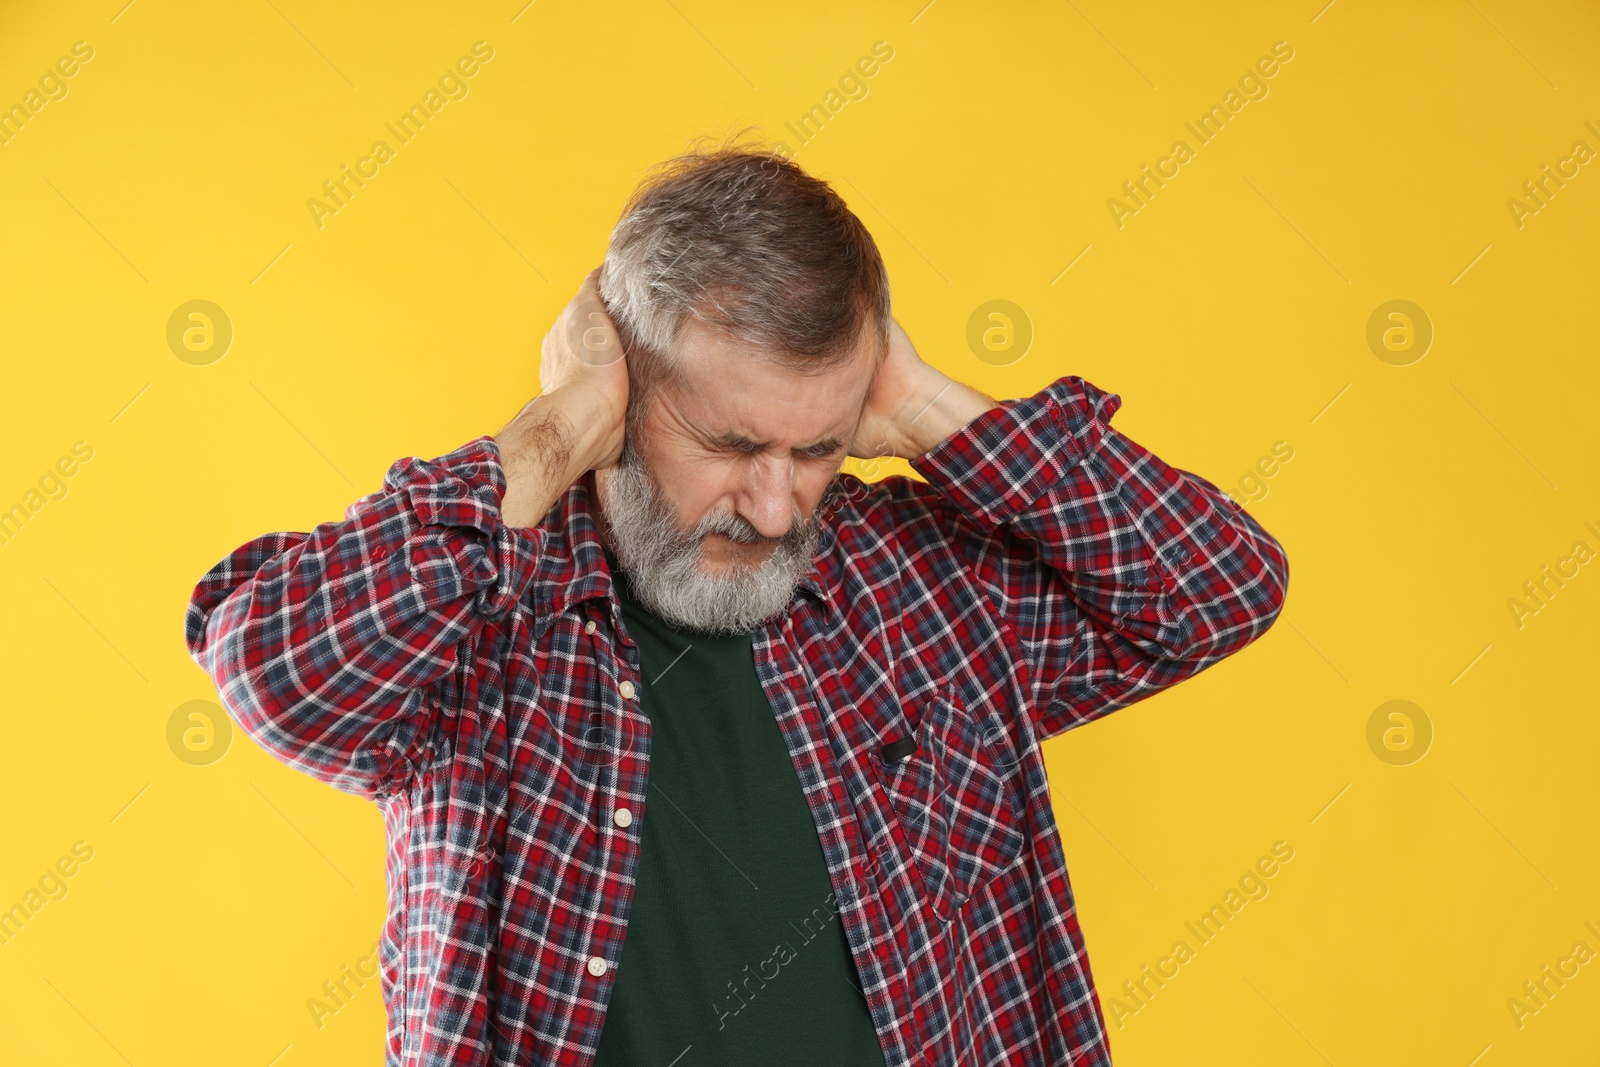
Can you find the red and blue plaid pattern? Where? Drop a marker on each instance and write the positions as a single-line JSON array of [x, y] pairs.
[[474, 680]]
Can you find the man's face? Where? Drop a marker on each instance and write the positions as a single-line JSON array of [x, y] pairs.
[[713, 512]]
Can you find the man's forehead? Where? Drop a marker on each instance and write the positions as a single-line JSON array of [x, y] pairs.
[[738, 395]]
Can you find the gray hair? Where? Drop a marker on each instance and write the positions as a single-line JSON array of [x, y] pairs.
[[742, 239]]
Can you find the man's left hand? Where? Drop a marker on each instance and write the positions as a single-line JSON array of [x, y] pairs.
[[912, 405]]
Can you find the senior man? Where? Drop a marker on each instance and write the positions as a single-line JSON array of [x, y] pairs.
[[692, 748]]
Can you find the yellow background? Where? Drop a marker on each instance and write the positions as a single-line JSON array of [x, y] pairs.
[[1230, 314]]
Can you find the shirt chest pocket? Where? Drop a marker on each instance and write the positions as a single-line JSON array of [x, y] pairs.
[[956, 797]]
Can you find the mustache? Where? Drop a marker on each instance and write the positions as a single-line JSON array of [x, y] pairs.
[[738, 529]]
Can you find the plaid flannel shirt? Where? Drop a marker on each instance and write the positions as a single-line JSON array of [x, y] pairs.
[[476, 682]]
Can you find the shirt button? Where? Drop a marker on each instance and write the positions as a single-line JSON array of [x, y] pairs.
[[588, 627], [626, 687], [623, 817], [597, 966]]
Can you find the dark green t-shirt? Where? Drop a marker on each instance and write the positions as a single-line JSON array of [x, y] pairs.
[[735, 953]]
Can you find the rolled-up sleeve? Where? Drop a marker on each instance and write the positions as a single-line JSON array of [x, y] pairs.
[[1120, 574], [324, 645]]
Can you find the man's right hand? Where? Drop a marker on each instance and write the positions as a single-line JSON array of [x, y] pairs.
[[577, 422], [582, 351]]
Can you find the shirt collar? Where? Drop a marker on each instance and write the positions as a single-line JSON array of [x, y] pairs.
[[572, 521]]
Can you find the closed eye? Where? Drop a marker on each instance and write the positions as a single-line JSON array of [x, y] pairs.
[[823, 451]]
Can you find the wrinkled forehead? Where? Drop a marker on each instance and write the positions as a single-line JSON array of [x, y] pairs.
[[733, 386]]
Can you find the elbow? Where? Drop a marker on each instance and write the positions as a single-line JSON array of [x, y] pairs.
[[337, 746], [1272, 582], [1246, 608], [1262, 596], [247, 696], [257, 699]]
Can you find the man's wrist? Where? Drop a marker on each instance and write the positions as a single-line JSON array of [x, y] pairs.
[[550, 444], [949, 406]]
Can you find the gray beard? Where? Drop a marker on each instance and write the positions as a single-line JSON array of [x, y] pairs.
[[663, 563]]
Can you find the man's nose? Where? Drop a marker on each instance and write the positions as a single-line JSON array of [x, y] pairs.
[[768, 502]]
